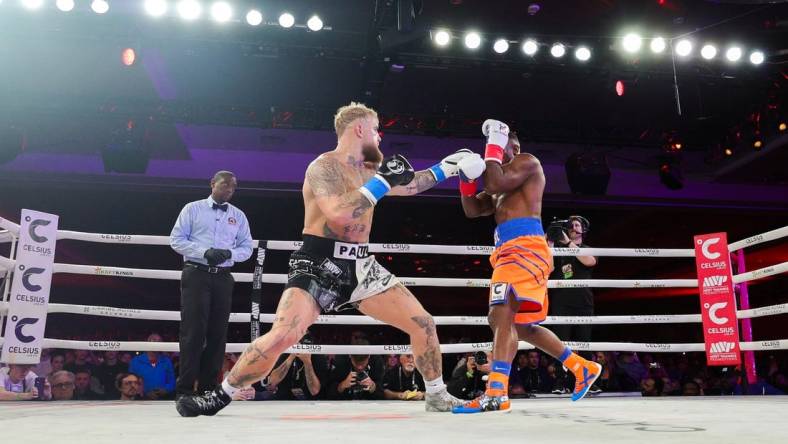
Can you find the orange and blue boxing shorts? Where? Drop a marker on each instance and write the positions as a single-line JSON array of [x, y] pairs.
[[521, 263]]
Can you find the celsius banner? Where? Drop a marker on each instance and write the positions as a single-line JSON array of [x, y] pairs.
[[717, 301], [27, 311]]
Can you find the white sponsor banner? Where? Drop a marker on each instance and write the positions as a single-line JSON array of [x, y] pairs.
[[27, 312]]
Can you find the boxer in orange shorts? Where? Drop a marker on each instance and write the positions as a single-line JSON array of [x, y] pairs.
[[522, 261]]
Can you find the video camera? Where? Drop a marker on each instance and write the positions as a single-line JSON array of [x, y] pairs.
[[558, 228]]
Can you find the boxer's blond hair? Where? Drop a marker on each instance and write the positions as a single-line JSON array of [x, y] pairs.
[[348, 113]]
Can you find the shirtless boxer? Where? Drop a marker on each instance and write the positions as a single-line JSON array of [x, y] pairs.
[[333, 270], [521, 261]]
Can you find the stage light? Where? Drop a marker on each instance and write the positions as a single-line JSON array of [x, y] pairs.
[[782, 126], [501, 46], [254, 17], [657, 45], [733, 54], [582, 53], [728, 152], [558, 50], [99, 6], [156, 8], [683, 48], [286, 20], [189, 9], [65, 5], [221, 12], [632, 43], [530, 47], [32, 4], [314, 23], [708, 52], [620, 88], [473, 40], [442, 38], [756, 57], [757, 144], [128, 56]]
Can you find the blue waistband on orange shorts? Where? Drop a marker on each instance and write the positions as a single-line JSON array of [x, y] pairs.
[[523, 226]]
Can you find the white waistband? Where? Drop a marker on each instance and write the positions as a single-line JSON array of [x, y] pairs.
[[347, 251]]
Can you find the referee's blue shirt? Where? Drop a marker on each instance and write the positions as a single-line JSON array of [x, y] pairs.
[[200, 227]]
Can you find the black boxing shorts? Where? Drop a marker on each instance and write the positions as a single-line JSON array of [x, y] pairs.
[[338, 275]]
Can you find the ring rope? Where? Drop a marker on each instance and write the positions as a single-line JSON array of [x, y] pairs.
[[162, 315], [143, 346]]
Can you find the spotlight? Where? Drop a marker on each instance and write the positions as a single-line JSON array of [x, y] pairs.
[[782, 126], [286, 20], [99, 6], [530, 47], [620, 88], [733, 54], [65, 5], [254, 17], [657, 45], [757, 144], [683, 48], [582, 53], [221, 12], [728, 152], [32, 4], [756, 57], [442, 38], [156, 8], [128, 56], [501, 46], [314, 23], [558, 50], [632, 43], [708, 52], [189, 9], [473, 40]]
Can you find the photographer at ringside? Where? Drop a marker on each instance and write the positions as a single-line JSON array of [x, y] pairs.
[[570, 233], [469, 378], [357, 376], [299, 376]]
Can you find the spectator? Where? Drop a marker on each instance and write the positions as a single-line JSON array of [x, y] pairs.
[[126, 358], [392, 361], [629, 372], [404, 381], [107, 371], [81, 362], [651, 387], [299, 376], [82, 391], [528, 376], [44, 366], [18, 383], [130, 386], [56, 361], [691, 388], [356, 376], [606, 382], [62, 382], [156, 371], [467, 380]]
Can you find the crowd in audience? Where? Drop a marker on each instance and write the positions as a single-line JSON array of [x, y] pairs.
[[112, 375]]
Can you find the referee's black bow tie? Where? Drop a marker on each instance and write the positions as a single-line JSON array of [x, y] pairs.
[[222, 207]]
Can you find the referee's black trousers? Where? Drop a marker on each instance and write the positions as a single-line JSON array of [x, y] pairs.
[[206, 299]]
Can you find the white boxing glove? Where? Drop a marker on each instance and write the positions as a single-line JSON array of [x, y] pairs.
[[471, 167], [448, 166], [497, 134]]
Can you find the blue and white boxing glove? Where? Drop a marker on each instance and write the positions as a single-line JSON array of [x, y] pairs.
[[394, 171], [448, 166]]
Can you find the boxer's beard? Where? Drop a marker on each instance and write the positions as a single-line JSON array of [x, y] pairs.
[[371, 153]]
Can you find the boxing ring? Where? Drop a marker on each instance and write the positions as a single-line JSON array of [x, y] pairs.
[[620, 419]]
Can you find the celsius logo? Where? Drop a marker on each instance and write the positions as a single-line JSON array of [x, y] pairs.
[[713, 312], [26, 273], [705, 245], [32, 230], [20, 324]]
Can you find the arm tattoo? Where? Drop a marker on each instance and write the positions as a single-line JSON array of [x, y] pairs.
[[423, 181], [325, 177]]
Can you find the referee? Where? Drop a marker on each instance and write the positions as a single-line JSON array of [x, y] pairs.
[[211, 235]]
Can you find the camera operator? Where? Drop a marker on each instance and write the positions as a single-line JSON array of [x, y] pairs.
[[299, 376], [357, 376], [570, 301], [468, 380]]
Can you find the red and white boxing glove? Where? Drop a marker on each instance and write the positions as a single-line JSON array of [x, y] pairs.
[[497, 134], [470, 168]]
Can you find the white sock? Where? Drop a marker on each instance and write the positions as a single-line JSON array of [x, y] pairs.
[[435, 386], [230, 390]]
